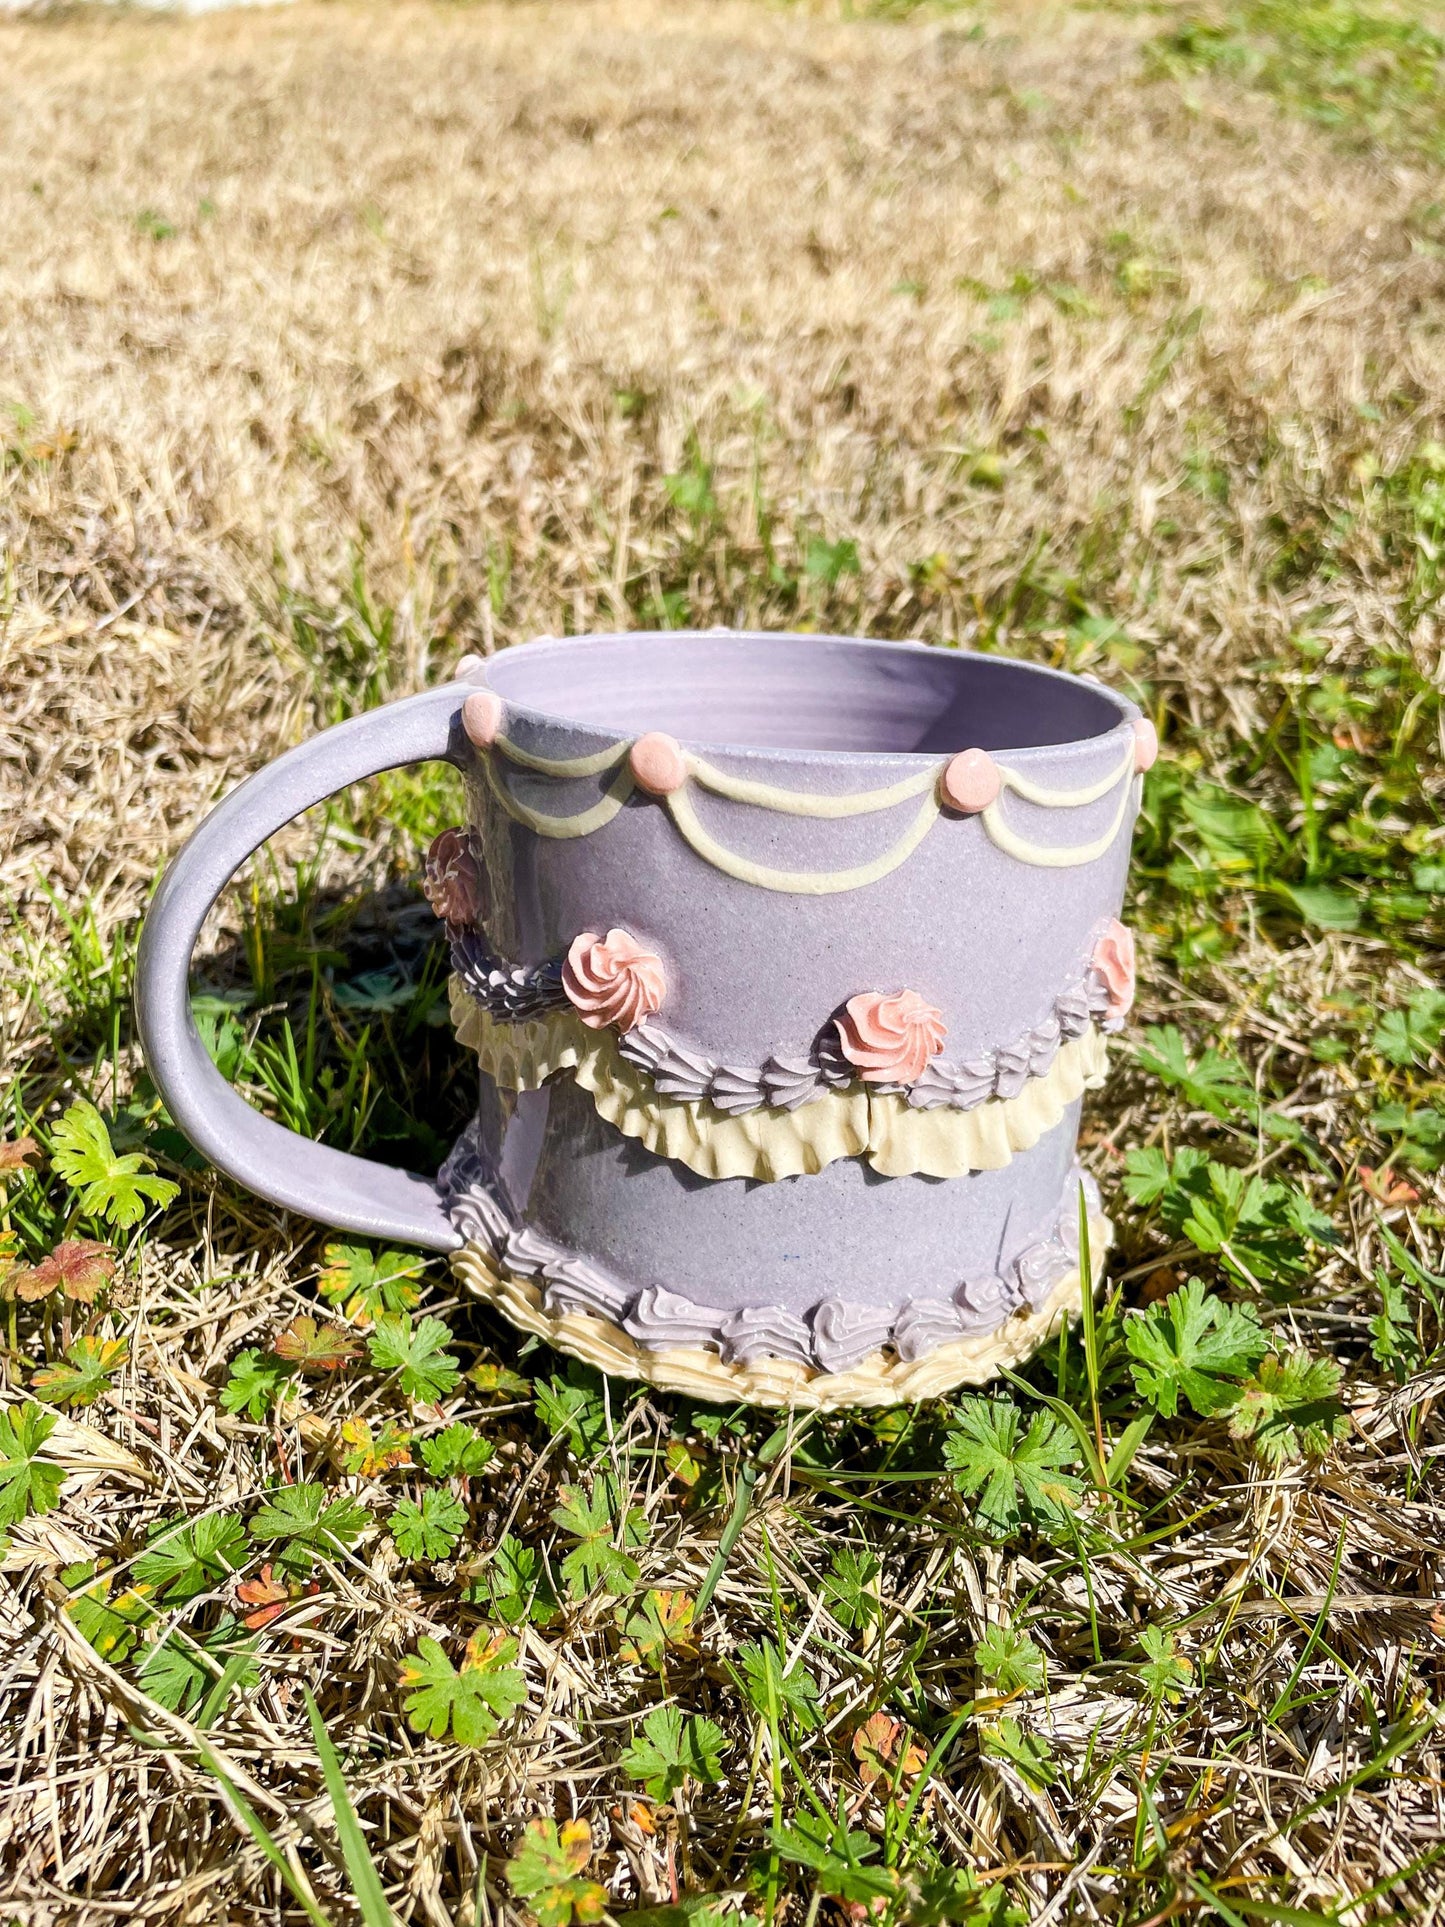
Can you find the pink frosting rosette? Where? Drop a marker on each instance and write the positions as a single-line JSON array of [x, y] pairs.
[[613, 980], [889, 1038], [454, 885], [1113, 959]]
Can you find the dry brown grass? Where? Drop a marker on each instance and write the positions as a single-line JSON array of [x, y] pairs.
[[447, 293]]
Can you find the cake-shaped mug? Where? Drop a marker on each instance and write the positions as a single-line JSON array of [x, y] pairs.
[[786, 961]]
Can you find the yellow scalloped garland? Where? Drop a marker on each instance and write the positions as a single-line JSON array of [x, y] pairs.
[[897, 1140], [769, 796], [880, 1379]]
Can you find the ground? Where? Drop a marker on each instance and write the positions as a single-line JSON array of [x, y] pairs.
[[340, 340]]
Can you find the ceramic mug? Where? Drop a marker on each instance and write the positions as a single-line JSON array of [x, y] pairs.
[[786, 961]]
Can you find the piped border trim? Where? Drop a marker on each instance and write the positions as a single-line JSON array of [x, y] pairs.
[[972, 783], [897, 1138], [1101, 996], [840, 1354]]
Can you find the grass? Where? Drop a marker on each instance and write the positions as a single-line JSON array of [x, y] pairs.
[[1106, 336]]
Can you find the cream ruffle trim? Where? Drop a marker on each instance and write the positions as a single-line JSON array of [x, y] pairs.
[[898, 1141], [694, 1372]]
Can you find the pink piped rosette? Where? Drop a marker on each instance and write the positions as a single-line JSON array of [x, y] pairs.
[[1113, 963], [890, 1037], [613, 980]]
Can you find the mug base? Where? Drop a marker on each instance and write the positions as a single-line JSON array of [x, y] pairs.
[[882, 1378]]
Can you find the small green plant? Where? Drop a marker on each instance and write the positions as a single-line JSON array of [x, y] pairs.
[[459, 1452], [548, 1871], [303, 1524], [315, 1348], [78, 1268], [1411, 1035], [430, 1529], [1009, 1661], [187, 1671], [370, 1455], [29, 1481], [467, 1701], [110, 1187], [1165, 1672], [1291, 1409], [111, 1622], [776, 1690], [1257, 1228], [1394, 1336], [1027, 1753], [851, 1588], [691, 490], [673, 1749], [255, 1384], [417, 1353], [828, 562], [85, 1373], [1194, 1347], [838, 1856], [186, 1557], [363, 1285], [573, 1411], [663, 1623], [1012, 1472], [1213, 1082], [514, 1585], [596, 1522]]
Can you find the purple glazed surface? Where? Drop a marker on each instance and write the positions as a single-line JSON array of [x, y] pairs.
[[984, 936], [841, 1232], [985, 939]]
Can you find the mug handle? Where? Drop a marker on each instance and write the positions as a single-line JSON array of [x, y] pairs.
[[353, 1193]]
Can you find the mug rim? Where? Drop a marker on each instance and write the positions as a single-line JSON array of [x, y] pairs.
[[1127, 711]]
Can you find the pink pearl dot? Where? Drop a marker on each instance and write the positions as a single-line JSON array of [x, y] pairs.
[[482, 718], [1146, 744], [972, 781], [658, 764]]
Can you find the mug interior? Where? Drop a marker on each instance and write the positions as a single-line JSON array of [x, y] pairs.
[[800, 693]]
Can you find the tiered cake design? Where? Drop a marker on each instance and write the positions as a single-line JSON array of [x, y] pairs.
[[782, 1050]]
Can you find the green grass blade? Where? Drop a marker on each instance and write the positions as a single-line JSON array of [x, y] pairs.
[[222, 1689], [297, 1885], [365, 1880], [1089, 1325]]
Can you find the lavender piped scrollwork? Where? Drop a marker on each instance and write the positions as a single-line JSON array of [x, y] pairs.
[[786, 1082], [833, 1336], [840, 1057]]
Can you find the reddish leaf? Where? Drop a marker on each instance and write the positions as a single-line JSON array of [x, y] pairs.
[[269, 1596], [369, 1456], [1385, 1187], [16, 1153], [877, 1745], [79, 1267], [315, 1348]]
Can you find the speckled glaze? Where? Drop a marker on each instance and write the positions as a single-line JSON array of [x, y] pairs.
[[977, 934]]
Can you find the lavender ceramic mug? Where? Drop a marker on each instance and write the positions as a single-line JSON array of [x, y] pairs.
[[786, 960]]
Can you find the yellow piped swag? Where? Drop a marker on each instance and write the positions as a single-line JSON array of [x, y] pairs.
[[769, 796]]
